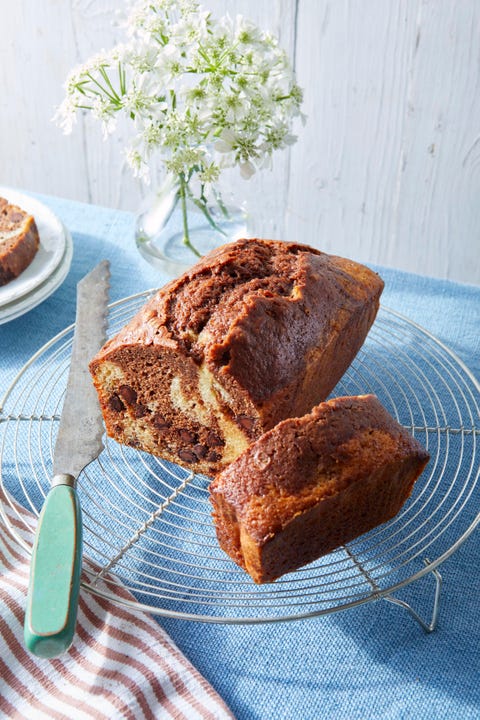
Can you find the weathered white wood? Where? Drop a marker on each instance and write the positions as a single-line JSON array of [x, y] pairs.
[[386, 169], [438, 205], [39, 42]]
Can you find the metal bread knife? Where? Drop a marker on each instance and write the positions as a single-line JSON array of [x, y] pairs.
[[54, 585]]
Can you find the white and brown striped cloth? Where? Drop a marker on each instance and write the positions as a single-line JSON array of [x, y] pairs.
[[121, 664]]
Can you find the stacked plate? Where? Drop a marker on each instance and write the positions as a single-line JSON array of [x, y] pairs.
[[49, 267]]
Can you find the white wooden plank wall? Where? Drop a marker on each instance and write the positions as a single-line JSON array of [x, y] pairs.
[[386, 170]]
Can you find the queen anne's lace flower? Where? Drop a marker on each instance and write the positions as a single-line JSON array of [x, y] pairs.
[[202, 94]]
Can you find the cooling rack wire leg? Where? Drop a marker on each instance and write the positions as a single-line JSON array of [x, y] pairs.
[[428, 627]]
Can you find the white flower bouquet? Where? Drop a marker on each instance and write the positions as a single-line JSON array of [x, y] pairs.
[[202, 95]]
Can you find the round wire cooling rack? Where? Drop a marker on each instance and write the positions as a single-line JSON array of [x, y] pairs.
[[147, 522]]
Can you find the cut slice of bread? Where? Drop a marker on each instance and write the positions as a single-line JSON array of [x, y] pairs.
[[19, 241]]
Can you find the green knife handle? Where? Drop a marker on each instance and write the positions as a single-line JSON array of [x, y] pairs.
[[52, 600]]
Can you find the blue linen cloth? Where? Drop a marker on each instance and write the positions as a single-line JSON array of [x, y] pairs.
[[370, 662]]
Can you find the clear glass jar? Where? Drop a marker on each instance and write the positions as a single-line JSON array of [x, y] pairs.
[[174, 227]]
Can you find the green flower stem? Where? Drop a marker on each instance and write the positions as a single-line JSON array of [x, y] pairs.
[[221, 205], [122, 78], [114, 100], [202, 205], [104, 74], [183, 198]]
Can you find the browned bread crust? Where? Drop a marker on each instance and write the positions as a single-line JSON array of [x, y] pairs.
[[313, 484], [257, 331], [19, 241]]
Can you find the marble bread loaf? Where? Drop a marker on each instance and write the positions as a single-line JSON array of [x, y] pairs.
[[257, 331]]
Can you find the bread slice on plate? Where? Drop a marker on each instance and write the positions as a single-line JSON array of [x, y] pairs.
[[19, 241]]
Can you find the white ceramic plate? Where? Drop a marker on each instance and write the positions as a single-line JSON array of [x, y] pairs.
[[49, 254], [40, 293]]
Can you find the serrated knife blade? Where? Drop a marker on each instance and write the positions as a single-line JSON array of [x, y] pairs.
[[55, 568], [79, 439]]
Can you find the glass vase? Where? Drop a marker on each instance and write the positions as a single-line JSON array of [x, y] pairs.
[[174, 228]]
